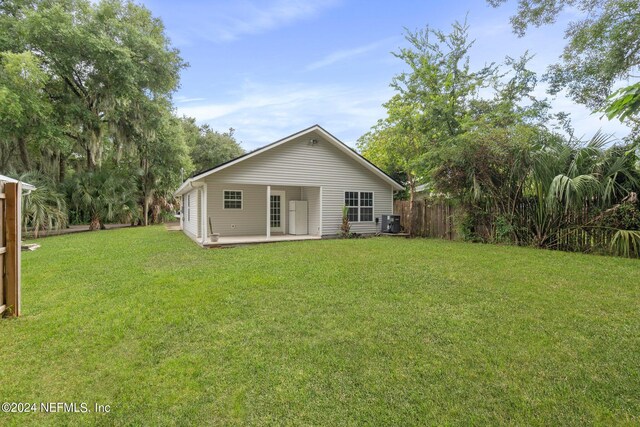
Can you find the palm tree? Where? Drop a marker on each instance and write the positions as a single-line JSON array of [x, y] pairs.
[[105, 195], [568, 178], [44, 208]]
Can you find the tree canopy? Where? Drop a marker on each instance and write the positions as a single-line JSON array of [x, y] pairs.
[[86, 101], [482, 139], [602, 52]]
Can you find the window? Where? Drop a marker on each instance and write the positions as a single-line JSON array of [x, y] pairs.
[[366, 206], [189, 208], [351, 202], [232, 199], [275, 211], [359, 205]]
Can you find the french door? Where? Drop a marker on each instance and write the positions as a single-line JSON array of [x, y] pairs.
[[277, 211]]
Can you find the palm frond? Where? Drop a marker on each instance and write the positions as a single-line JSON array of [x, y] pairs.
[[626, 243], [44, 208], [571, 192]]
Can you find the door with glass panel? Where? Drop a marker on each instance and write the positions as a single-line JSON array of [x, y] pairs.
[[277, 207]]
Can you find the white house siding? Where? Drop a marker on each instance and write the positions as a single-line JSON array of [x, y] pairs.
[[300, 163], [312, 196], [252, 218], [192, 216]]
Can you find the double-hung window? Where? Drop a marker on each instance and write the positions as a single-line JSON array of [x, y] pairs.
[[359, 205], [232, 199]]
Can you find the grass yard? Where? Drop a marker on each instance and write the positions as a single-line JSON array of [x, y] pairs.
[[336, 332]]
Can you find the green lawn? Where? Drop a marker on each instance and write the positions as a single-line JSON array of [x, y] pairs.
[[374, 331]]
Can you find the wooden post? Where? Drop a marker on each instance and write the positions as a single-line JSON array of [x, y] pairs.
[[12, 256]]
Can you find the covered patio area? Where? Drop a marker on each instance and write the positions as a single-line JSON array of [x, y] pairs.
[[250, 240], [221, 213]]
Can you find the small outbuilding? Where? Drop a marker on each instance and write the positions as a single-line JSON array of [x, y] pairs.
[[293, 189], [10, 243]]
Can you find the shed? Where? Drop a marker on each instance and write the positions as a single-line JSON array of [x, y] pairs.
[[10, 243]]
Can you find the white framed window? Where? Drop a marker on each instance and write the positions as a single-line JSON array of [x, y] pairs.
[[351, 202], [189, 207], [232, 199], [359, 205], [366, 206]]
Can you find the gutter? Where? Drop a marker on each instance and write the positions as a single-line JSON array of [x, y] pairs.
[[188, 184]]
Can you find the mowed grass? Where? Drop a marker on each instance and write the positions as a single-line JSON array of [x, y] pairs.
[[378, 331]]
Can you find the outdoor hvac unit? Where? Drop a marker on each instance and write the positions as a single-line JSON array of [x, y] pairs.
[[390, 224]]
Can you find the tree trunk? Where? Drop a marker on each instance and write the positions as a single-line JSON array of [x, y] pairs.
[[95, 223], [146, 211], [62, 166], [89, 162], [24, 154]]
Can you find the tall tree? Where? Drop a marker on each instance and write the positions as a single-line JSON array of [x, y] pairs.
[[162, 153], [87, 84], [104, 56], [602, 51], [24, 106], [211, 148], [430, 104]]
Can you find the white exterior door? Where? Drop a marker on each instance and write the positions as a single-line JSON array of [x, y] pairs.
[[278, 209]]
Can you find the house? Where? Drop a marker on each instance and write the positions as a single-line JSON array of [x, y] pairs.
[[263, 195]]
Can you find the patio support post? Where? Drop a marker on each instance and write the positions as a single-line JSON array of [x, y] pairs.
[[268, 211], [205, 228], [320, 203], [183, 209]]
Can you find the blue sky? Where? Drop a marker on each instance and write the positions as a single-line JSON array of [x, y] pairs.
[[270, 68]]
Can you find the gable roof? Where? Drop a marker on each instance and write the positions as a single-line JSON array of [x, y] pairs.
[[317, 128]]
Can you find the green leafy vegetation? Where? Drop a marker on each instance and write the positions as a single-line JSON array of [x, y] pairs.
[[484, 141], [601, 52], [378, 331], [45, 209], [85, 91]]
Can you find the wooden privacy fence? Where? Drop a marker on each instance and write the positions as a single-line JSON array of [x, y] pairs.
[[435, 218], [10, 206], [430, 218]]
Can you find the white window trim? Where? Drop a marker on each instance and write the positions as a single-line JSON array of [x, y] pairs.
[[189, 207], [241, 200], [373, 204]]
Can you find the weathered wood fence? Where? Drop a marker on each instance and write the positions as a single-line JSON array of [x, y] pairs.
[[10, 207], [430, 218], [435, 218]]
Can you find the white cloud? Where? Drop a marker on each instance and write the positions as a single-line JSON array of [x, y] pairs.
[[255, 19], [341, 55], [183, 99], [231, 20], [266, 113]]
